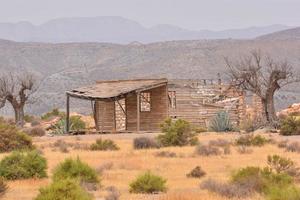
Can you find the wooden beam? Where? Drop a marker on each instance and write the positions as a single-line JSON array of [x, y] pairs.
[[68, 114], [138, 112]]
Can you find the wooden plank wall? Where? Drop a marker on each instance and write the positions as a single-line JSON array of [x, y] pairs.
[[149, 121], [105, 112], [195, 102]]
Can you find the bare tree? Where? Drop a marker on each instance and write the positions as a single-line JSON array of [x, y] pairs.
[[262, 76], [16, 89]]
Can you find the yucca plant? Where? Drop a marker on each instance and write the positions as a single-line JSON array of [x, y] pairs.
[[221, 122]]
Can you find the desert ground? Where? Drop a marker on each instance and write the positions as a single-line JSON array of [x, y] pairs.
[[120, 167]]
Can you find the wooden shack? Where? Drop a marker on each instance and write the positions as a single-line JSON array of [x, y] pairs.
[[142, 104], [125, 105]]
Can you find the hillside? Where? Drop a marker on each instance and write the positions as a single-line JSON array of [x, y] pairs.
[[65, 66], [117, 30], [289, 34]]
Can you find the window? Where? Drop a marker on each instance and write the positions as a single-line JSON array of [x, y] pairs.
[[145, 102], [172, 99]]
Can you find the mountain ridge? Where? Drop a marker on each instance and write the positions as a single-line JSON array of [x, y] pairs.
[[116, 29]]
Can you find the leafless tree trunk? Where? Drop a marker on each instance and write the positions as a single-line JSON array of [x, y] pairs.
[[262, 76], [16, 89]]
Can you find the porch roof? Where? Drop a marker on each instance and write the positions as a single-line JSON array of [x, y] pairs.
[[115, 89]]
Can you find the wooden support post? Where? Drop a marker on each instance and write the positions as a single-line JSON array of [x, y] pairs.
[[68, 115], [138, 112]]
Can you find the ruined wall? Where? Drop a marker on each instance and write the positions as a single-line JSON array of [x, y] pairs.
[[197, 101]]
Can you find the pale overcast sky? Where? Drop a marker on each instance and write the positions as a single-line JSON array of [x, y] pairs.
[[190, 14]]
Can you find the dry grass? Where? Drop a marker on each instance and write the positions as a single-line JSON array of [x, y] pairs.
[[127, 163]]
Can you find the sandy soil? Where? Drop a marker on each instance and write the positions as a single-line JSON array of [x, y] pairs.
[[127, 163]]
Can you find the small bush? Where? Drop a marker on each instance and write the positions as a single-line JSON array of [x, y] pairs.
[[148, 183], [54, 113], [228, 190], [251, 140], [61, 145], [65, 189], [23, 165], [244, 150], [282, 144], [283, 193], [36, 131], [197, 172], [221, 122], [29, 118], [104, 145], [166, 154], [207, 150], [3, 186], [219, 143], [145, 143], [280, 164], [11, 138], [75, 169], [35, 123], [290, 126], [113, 193], [178, 133], [293, 147]]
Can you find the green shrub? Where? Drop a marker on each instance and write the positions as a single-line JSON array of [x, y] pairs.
[[283, 193], [178, 133], [104, 145], [23, 165], [197, 172], [75, 169], [75, 123], [290, 126], [251, 140], [11, 138], [280, 164], [29, 118], [221, 122], [145, 143], [148, 183], [53, 113], [65, 189], [3, 187]]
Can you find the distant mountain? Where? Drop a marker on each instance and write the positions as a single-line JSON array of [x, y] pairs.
[[117, 30], [289, 34], [66, 66]]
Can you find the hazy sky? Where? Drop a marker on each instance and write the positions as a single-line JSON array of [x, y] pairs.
[[190, 14]]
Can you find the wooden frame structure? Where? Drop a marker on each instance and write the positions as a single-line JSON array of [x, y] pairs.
[[105, 98]]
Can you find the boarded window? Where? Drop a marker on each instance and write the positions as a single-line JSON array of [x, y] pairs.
[[145, 102], [172, 99]]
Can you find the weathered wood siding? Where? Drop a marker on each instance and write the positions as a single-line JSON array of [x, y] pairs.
[[105, 116], [149, 120], [197, 102]]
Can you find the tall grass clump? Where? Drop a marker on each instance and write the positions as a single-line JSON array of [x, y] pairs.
[[177, 133], [65, 189], [251, 140], [53, 113], [11, 138], [75, 169], [23, 165], [148, 183], [221, 122]]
